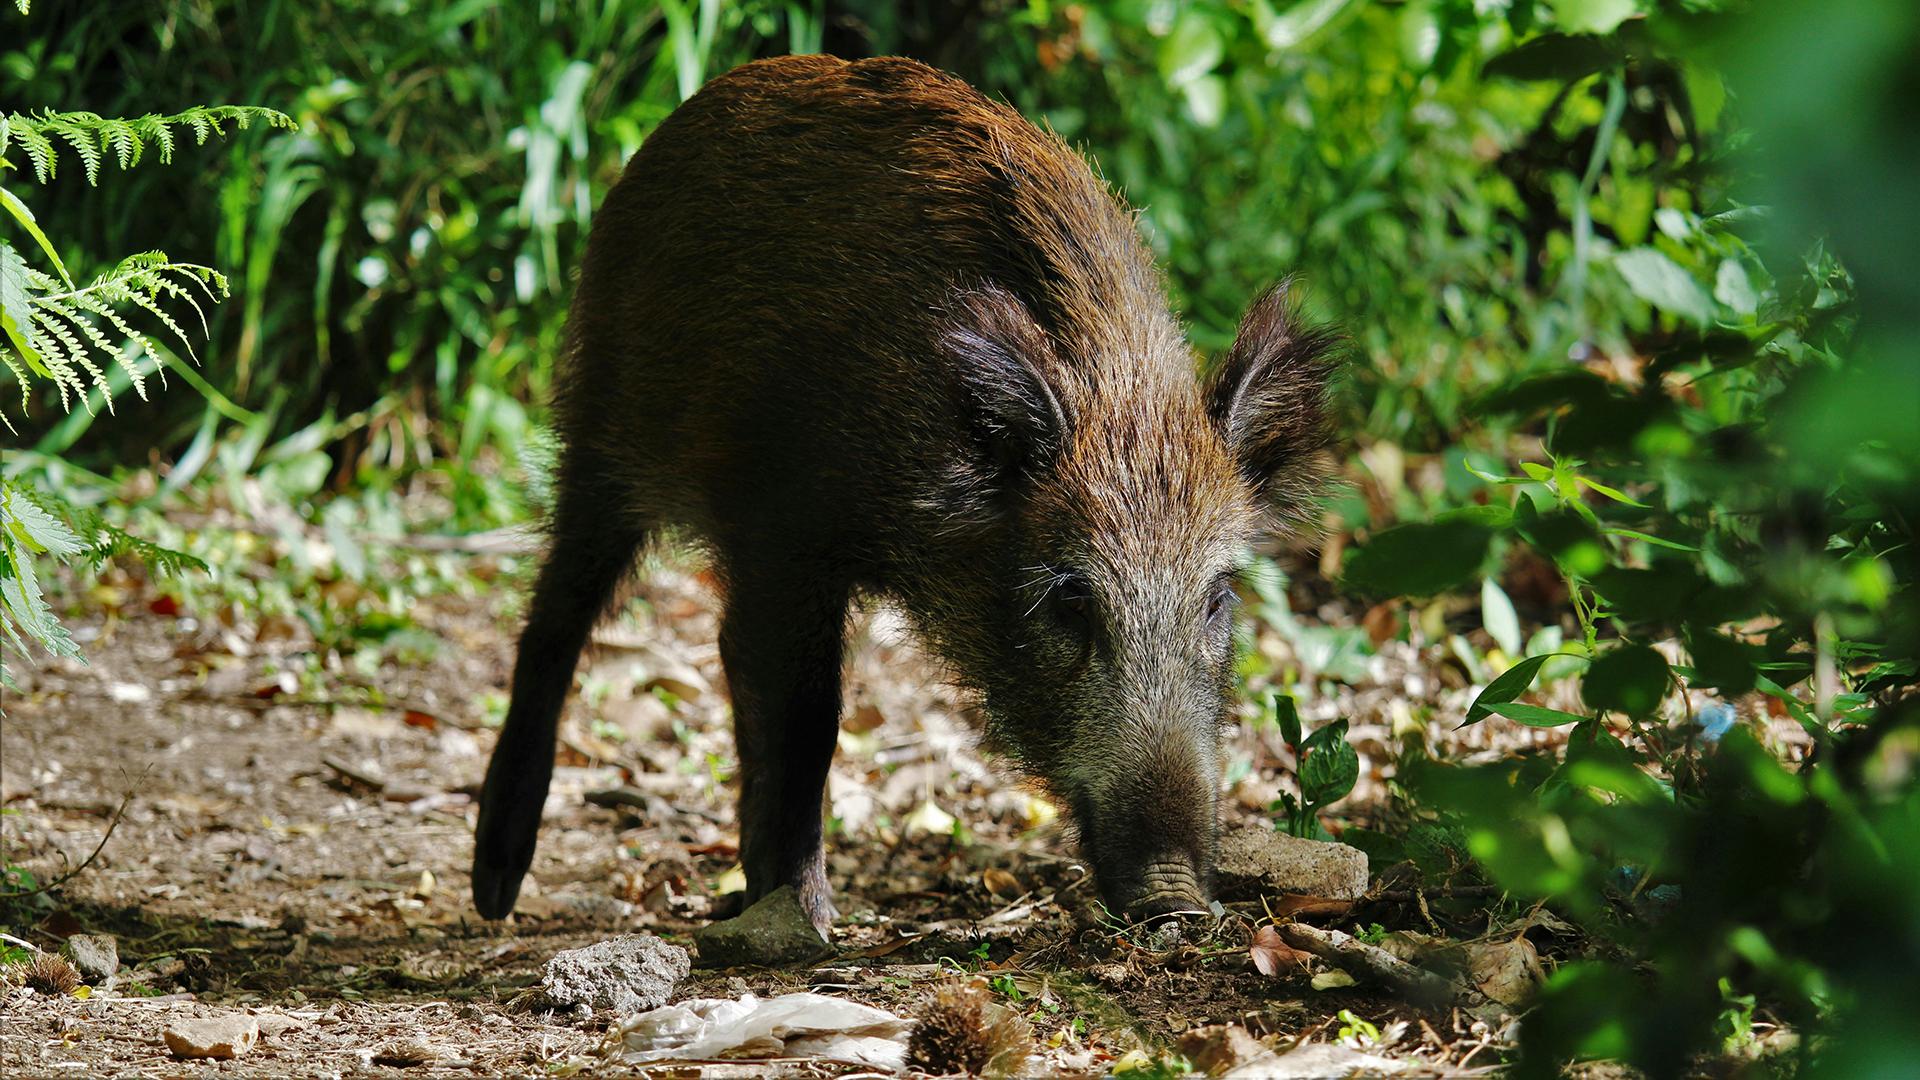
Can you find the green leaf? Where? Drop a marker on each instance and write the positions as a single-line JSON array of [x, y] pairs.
[[1510, 684], [1535, 715], [1498, 616], [1300, 23], [1207, 100], [16, 309], [1418, 559], [1733, 288], [36, 528], [25, 217], [1557, 58], [1331, 767], [1611, 493], [1287, 715], [1648, 538], [1665, 284], [1592, 16], [1631, 679], [1721, 662], [1192, 50]]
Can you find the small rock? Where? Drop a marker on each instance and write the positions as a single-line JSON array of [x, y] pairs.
[[96, 955], [404, 1054], [631, 974], [1217, 1048], [1255, 862], [223, 1037], [774, 932], [274, 1025]]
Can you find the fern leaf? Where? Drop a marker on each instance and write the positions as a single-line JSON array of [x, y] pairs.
[[37, 147], [77, 130], [92, 137], [35, 526], [19, 376], [50, 318]]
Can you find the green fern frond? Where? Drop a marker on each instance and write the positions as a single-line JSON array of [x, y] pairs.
[[36, 523], [92, 137], [68, 332]]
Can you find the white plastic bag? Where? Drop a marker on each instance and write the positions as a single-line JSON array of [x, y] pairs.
[[791, 1025]]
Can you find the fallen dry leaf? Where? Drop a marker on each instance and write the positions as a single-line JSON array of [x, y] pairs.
[[1505, 971], [1271, 955], [1000, 883]]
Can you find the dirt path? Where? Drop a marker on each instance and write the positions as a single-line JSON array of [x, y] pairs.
[[297, 827]]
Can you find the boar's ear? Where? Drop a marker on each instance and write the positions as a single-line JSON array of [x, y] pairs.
[[998, 358], [1269, 400]]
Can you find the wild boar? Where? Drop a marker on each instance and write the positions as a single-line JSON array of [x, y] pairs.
[[857, 330]]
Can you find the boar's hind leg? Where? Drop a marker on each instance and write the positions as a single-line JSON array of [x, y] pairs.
[[593, 551], [781, 642]]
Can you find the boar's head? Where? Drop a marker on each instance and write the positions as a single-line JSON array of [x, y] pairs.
[[1095, 615]]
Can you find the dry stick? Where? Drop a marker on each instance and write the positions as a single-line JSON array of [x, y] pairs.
[[1377, 963], [1454, 892], [113, 824]]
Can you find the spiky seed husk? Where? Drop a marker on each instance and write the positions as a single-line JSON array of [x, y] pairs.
[[962, 1031], [50, 973]]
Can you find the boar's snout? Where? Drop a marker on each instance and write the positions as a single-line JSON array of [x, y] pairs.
[[1144, 873], [1162, 889]]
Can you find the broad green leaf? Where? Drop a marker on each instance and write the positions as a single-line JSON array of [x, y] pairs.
[[1419, 559], [1732, 288], [1191, 50], [1557, 58], [1510, 684], [25, 217], [1207, 100], [1665, 284], [1631, 679], [1332, 766], [1287, 715], [38, 529], [1592, 16], [1534, 715], [1490, 515], [16, 309], [1721, 662], [1298, 23], [1498, 616]]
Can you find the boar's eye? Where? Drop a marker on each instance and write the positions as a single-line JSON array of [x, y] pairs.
[[1072, 603]]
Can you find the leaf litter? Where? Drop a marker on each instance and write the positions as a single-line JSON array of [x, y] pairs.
[[296, 848]]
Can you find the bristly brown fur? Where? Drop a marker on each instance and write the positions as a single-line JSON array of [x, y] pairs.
[[856, 329]]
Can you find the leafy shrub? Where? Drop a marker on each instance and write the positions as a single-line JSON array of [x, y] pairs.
[[53, 328]]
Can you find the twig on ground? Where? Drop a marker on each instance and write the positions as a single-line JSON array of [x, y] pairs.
[[353, 775], [1378, 964], [1462, 892], [112, 824]]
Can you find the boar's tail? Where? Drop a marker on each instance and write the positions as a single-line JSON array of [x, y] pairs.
[[590, 557]]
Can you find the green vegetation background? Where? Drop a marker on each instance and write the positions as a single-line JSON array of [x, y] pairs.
[[1634, 282]]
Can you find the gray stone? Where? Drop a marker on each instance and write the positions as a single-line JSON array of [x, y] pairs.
[[631, 974], [221, 1037], [1255, 862], [774, 932], [97, 956]]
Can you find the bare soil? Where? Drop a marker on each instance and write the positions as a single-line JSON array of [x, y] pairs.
[[291, 830]]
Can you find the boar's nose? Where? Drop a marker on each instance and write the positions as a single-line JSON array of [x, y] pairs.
[[1167, 888]]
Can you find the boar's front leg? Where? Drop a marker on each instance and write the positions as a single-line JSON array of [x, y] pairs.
[[781, 639]]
